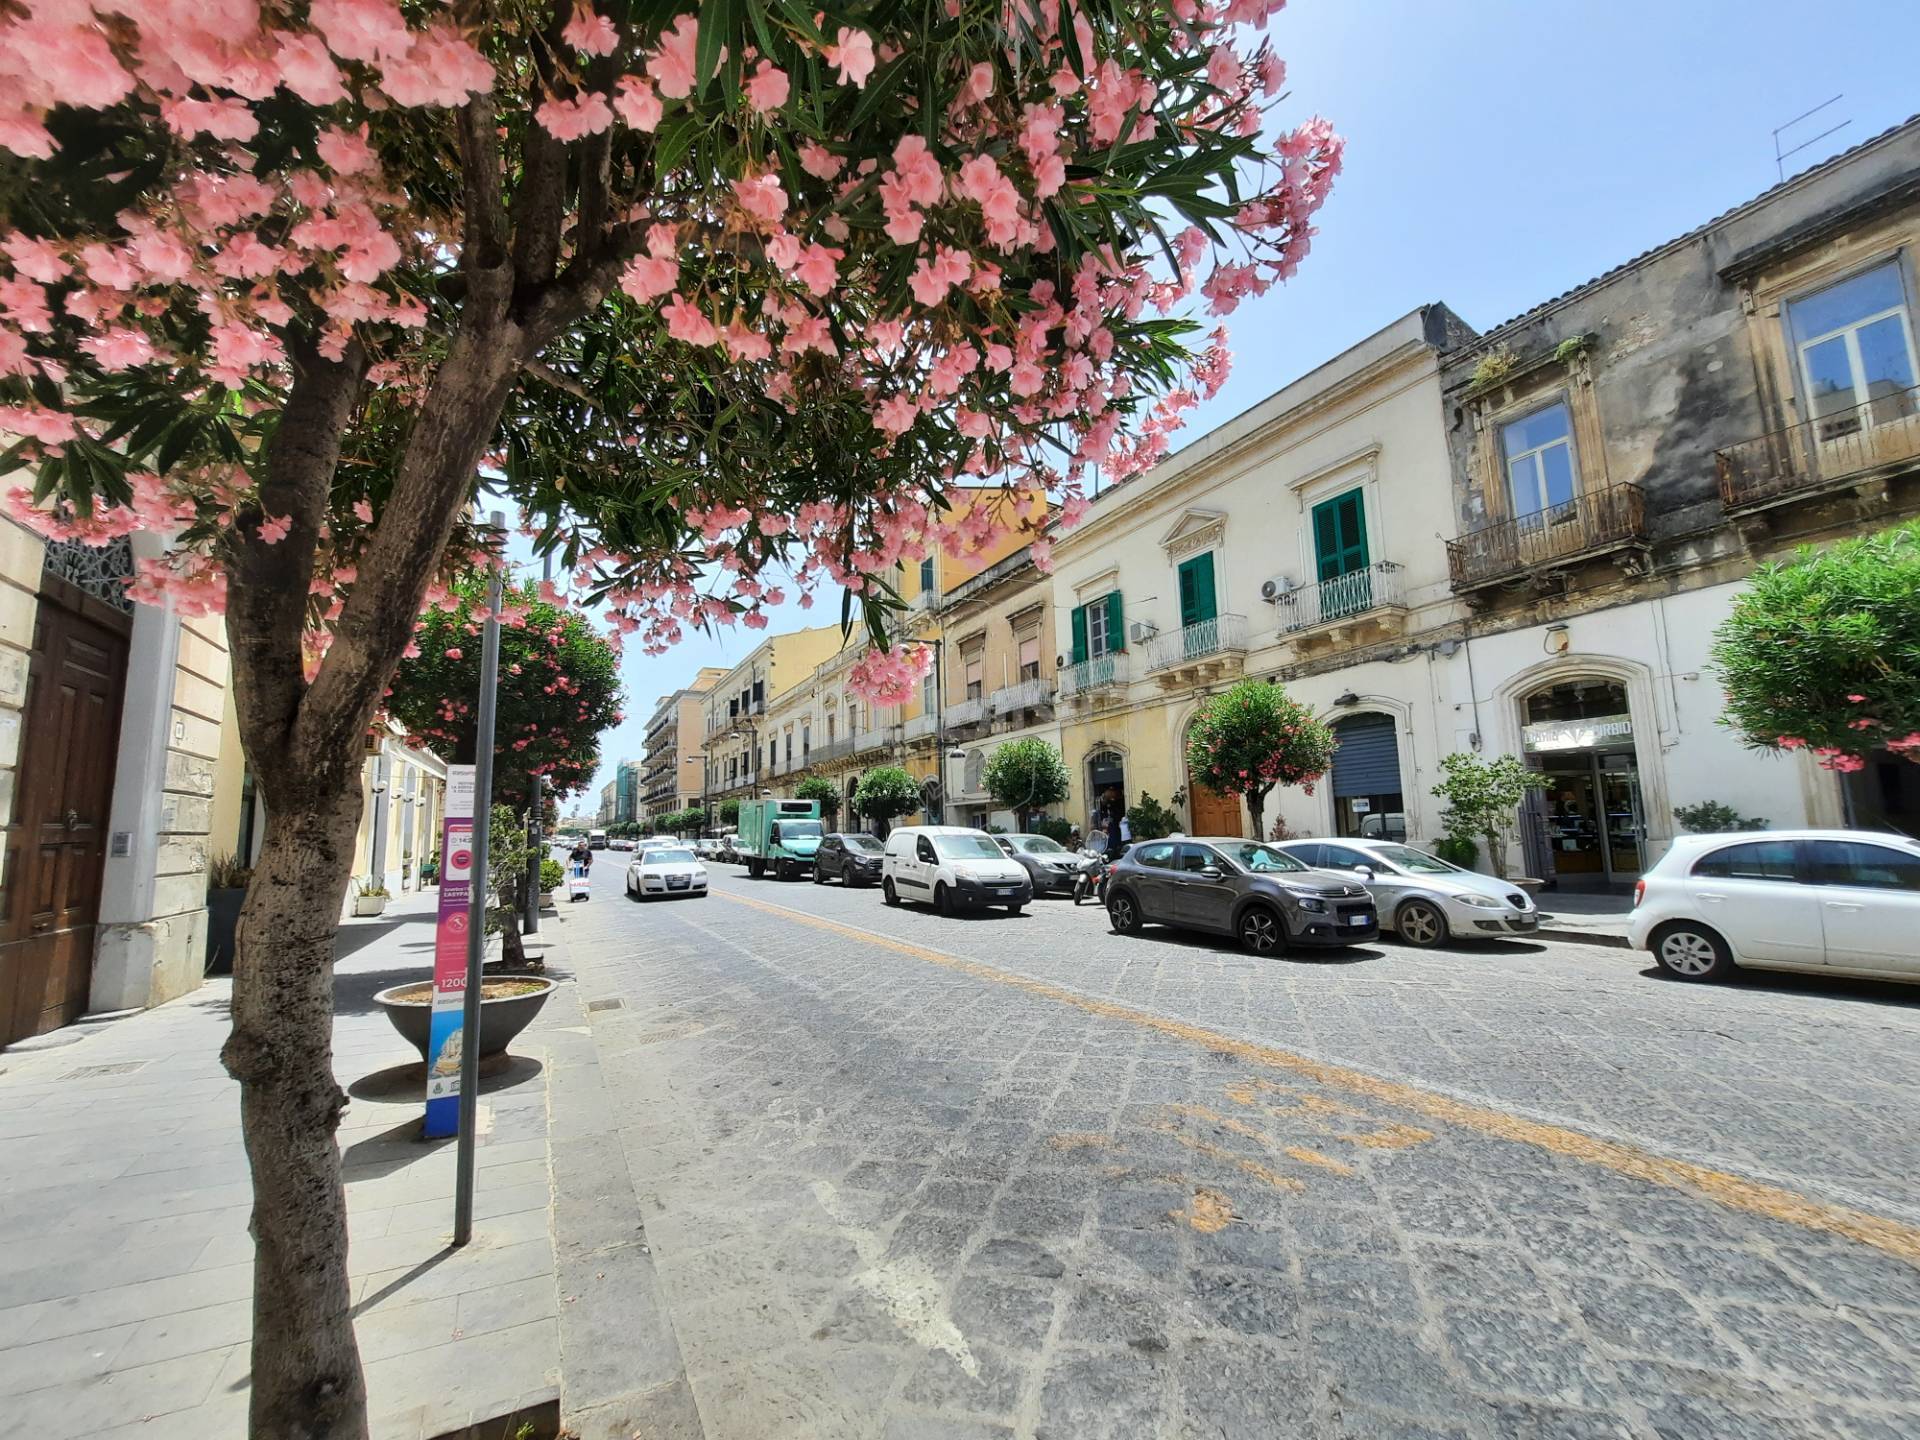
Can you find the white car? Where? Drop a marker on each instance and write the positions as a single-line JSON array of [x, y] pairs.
[[1423, 899], [666, 870], [1843, 902], [950, 866]]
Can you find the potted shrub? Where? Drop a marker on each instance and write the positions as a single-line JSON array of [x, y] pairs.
[[552, 875], [226, 889], [369, 897], [507, 1004]]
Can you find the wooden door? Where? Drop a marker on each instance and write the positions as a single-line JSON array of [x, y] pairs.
[[1214, 813], [56, 845]]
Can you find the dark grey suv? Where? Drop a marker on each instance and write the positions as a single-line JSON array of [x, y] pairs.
[[1263, 896]]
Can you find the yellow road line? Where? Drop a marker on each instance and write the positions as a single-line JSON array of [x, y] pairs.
[[1733, 1191]]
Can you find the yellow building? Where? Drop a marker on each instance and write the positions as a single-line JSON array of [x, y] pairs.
[[739, 741], [675, 770]]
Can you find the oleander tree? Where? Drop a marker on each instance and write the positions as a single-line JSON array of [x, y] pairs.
[[820, 788], [1822, 652], [559, 686], [724, 299], [1252, 737], [1027, 775]]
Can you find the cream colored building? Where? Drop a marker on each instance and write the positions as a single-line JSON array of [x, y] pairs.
[[675, 767], [734, 713], [1303, 537]]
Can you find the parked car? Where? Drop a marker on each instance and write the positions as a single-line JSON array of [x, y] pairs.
[[950, 866], [1049, 864], [1423, 899], [849, 856], [727, 851], [666, 870], [1842, 902], [620, 843], [707, 847], [1245, 888]]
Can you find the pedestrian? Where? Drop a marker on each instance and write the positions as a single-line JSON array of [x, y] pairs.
[[582, 856]]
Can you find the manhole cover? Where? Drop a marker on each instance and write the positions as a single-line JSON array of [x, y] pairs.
[[606, 1005], [95, 1072]]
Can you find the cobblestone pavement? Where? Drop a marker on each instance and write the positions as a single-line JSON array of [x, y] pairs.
[[1004, 1176]]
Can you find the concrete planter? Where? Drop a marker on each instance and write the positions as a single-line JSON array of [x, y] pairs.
[[369, 904], [501, 1018], [223, 917]]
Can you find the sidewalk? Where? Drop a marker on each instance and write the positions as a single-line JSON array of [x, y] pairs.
[[125, 1263], [1589, 919]]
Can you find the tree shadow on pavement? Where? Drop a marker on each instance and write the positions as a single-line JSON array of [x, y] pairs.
[[349, 940]]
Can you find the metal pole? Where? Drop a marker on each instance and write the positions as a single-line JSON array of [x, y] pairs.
[[939, 729], [477, 911], [537, 848]]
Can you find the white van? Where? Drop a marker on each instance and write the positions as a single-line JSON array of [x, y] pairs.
[[951, 867]]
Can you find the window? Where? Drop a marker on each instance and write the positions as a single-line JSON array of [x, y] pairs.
[[926, 574], [1098, 628], [1263, 859], [976, 666], [1029, 657], [1198, 603], [806, 740], [1160, 857], [1755, 860], [927, 684], [1195, 858], [1854, 348], [923, 851], [773, 753], [1339, 857], [1340, 535], [789, 747], [1541, 475], [1869, 867]]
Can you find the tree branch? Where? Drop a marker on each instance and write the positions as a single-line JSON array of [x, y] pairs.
[[486, 208]]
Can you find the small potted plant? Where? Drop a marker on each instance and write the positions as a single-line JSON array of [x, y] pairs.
[[430, 870], [369, 897], [552, 874], [227, 882]]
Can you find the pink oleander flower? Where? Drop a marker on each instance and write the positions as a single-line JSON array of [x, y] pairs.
[[590, 33], [569, 120], [767, 88], [453, 652], [274, 529], [671, 68], [637, 103], [852, 56]]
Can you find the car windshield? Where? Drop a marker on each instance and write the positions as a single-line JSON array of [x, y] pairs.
[[1416, 861], [669, 855], [866, 844], [967, 847], [1261, 858], [799, 829], [1038, 845]]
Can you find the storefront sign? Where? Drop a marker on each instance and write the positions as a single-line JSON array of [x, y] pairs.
[[1360, 804], [444, 1042], [1589, 734]]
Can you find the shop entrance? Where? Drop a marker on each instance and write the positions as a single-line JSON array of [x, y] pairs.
[[1106, 787], [1579, 735]]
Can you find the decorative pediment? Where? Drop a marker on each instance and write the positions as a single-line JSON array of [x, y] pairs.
[[1195, 530]]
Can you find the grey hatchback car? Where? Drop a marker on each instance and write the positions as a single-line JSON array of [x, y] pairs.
[[1262, 896]]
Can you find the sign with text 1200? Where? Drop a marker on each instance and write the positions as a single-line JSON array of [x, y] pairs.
[[445, 1041]]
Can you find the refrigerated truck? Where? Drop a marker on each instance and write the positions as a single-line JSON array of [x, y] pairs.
[[778, 835]]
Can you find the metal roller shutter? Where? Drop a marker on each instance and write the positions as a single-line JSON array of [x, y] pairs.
[[1367, 760]]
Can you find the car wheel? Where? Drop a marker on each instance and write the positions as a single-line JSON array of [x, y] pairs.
[[1015, 908], [942, 901], [1692, 952], [1421, 923], [1123, 912], [891, 895], [819, 875], [1262, 931]]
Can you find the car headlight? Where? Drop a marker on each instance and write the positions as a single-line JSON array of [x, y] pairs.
[[1481, 902], [1307, 900]]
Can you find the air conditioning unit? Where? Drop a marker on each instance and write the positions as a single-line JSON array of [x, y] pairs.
[[1278, 591], [1141, 631]]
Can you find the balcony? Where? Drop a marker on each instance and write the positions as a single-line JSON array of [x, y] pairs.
[[966, 714], [1351, 609], [831, 751], [1088, 679], [1540, 546], [920, 727], [868, 742], [1859, 448], [1200, 653], [1023, 695]]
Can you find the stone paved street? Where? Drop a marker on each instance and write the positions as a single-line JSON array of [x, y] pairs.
[[912, 1177]]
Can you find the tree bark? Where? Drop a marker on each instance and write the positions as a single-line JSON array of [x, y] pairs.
[[306, 1365]]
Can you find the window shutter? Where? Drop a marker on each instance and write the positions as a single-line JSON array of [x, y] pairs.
[[1116, 622], [1367, 758], [1079, 634]]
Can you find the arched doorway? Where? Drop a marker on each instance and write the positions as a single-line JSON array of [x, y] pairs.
[[1367, 799], [1106, 771], [1578, 732], [851, 813]]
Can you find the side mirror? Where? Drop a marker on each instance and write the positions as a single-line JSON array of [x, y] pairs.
[[1211, 872], [1365, 872]]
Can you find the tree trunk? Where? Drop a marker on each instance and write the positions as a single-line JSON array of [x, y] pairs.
[[1496, 854], [306, 1381], [1257, 808]]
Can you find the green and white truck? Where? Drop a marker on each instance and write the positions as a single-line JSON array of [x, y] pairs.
[[779, 835]]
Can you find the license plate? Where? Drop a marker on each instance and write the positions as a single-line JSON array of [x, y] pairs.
[[1359, 920], [1526, 922]]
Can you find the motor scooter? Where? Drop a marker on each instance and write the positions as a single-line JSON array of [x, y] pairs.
[[1091, 881]]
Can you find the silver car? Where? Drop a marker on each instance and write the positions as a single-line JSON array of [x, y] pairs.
[[1422, 898]]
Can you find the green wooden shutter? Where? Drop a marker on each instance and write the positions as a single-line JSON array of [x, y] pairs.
[[1340, 534], [1079, 634], [1116, 622], [1198, 602]]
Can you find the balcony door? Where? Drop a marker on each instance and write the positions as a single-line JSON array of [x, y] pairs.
[[1199, 605], [1340, 555]]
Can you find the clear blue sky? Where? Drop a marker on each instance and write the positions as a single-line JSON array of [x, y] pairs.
[[1498, 153]]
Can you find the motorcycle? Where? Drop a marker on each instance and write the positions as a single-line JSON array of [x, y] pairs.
[[1091, 881]]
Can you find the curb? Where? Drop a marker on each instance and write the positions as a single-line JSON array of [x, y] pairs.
[[1585, 937], [621, 1371]]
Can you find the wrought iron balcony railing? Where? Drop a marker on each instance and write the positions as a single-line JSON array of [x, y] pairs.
[[1102, 672], [1222, 635], [1035, 694], [1587, 524], [962, 713], [1343, 597], [1842, 445]]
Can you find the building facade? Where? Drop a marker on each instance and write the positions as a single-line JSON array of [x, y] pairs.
[[674, 771], [739, 741]]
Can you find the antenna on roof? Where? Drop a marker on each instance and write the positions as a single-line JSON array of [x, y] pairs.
[[1780, 156]]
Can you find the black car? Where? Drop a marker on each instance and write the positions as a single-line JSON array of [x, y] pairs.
[[850, 857], [1261, 895], [1049, 864]]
